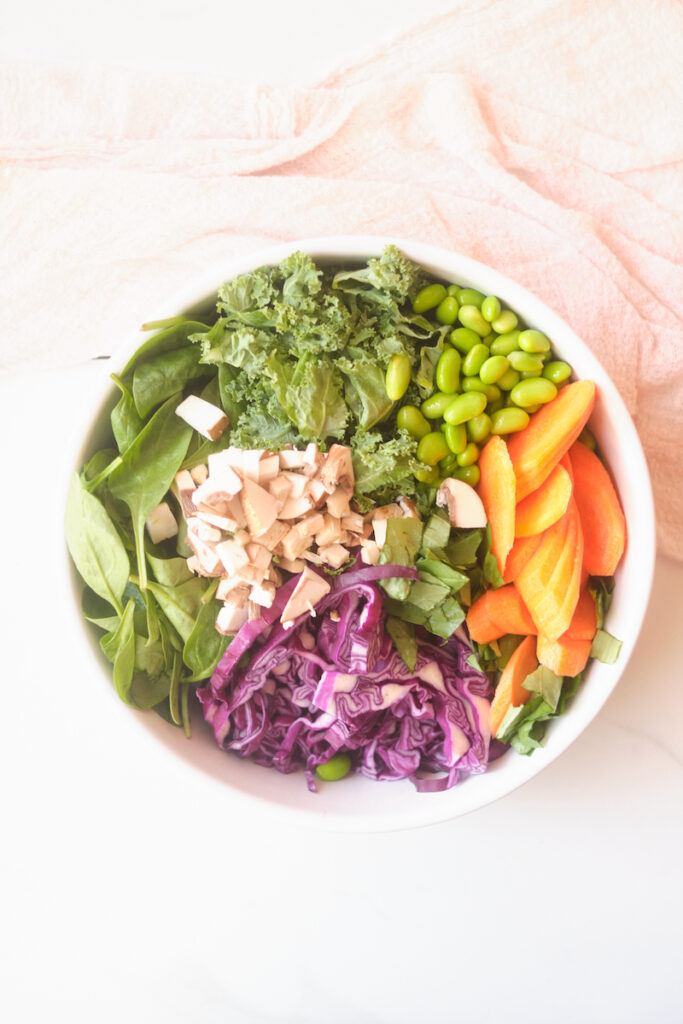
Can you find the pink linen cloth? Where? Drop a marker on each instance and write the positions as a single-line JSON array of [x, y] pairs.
[[544, 138]]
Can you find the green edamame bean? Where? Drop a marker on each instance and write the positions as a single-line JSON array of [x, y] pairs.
[[432, 448], [456, 437], [427, 476], [470, 297], [529, 374], [463, 408], [531, 409], [536, 391], [469, 474], [504, 322], [428, 298], [474, 360], [557, 371], [469, 456], [533, 341], [489, 339], [448, 371], [588, 438], [469, 316], [509, 421], [490, 308], [504, 344], [479, 428], [434, 406], [447, 310], [411, 419], [490, 391], [508, 380], [494, 405], [338, 766], [447, 465], [525, 361], [464, 339], [493, 369], [398, 376]]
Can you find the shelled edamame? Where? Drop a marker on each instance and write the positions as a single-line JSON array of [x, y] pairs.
[[491, 375]]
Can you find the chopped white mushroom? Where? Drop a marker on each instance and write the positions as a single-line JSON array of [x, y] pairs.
[[229, 457], [334, 555], [313, 557], [253, 611], [207, 419], [220, 522], [465, 507], [280, 487], [232, 555], [298, 484], [183, 487], [231, 618], [310, 524], [408, 507], [337, 470], [273, 535], [161, 523], [251, 458], [309, 590], [268, 469], [263, 594], [204, 531], [380, 529], [338, 502], [330, 532], [294, 508], [291, 564], [258, 555], [294, 544], [318, 492], [353, 522], [218, 489], [207, 557], [313, 460], [226, 585], [199, 473], [369, 552], [291, 459], [259, 506]]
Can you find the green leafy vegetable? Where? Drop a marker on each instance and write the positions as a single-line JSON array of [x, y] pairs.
[[95, 545], [403, 635], [400, 548], [545, 683], [147, 470], [605, 647], [157, 379]]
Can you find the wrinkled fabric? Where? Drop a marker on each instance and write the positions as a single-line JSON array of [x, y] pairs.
[[549, 146]]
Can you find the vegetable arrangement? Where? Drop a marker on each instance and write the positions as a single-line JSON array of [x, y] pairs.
[[364, 511]]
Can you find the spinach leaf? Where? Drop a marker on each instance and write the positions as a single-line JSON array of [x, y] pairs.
[[157, 379], [169, 571], [98, 611], [181, 604], [446, 618], [204, 646], [400, 548], [95, 546], [148, 468], [126, 423], [119, 648], [176, 336]]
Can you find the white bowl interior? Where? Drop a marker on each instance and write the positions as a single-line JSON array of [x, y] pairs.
[[358, 803]]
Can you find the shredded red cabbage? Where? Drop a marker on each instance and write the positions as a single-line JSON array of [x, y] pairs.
[[334, 683]]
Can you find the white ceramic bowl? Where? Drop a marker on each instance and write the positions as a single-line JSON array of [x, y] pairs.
[[360, 804]]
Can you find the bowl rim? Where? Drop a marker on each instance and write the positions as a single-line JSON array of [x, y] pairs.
[[470, 796]]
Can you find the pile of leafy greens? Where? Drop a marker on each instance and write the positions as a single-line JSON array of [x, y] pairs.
[[293, 354]]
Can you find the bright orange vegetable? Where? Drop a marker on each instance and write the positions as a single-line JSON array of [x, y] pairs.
[[536, 450], [497, 613], [584, 624], [544, 506], [520, 553], [565, 656], [549, 582], [602, 518], [497, 492], [510, 693]]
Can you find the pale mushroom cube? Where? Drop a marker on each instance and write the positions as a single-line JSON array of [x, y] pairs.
[[232, 555], [199, 473], [207, 419], [290, 458], [338, 502], [291, 564], [161, 523], [259, 555], [263, 594], [309, 590], [334, 555], [369, 552], [280, 487], [259, 506], [294, 508], [337, 469]]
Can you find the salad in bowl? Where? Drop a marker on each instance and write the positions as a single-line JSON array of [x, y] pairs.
[[354, 513]]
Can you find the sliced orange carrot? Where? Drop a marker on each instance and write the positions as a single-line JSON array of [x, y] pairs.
[[565, 656], [536, 450], [584, 624], [520, 553], [602, 518], [549, 582], [497, 613], [497, 492], [544, 506], [510, 693], [480, 625]]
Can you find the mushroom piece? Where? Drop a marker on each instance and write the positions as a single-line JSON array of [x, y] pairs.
[[161, 523], [207, 419], [310, 589], [465, 508]]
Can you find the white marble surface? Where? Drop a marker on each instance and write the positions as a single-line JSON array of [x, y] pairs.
[[128, 894]]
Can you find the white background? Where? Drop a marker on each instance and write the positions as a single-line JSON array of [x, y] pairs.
[[132, 891]]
